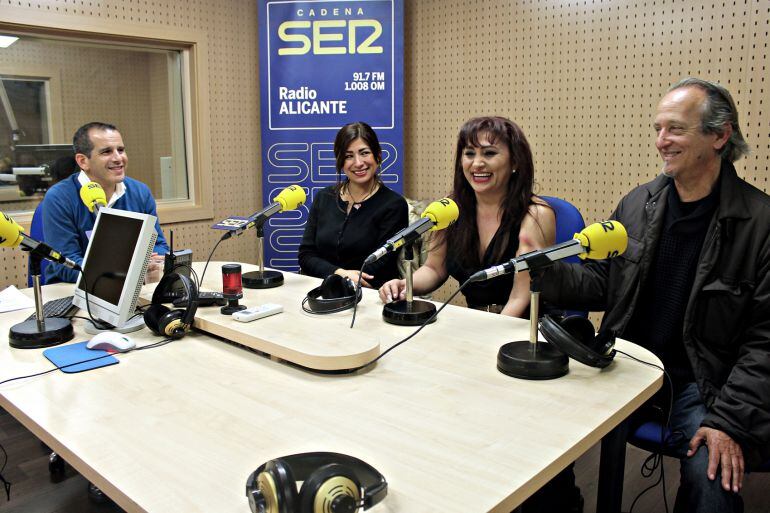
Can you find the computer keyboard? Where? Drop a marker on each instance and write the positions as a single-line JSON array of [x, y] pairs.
[[56, 308]]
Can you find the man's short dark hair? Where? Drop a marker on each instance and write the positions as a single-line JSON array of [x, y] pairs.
[[718, 109], [81, 142]]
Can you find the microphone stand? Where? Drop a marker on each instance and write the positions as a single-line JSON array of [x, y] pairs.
[[530, 359], [41, 331], [262, 279], [408, 312]]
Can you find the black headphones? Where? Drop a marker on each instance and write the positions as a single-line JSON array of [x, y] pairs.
[[172, 323], [332, 483], [335, 294], [574, 335]]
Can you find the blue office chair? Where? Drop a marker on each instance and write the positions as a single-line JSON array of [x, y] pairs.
[[36, 232], [569, 221]]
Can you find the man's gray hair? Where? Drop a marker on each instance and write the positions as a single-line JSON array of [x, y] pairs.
[[718, 109]]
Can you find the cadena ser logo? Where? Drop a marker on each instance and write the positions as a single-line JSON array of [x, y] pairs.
[[330, 37], [330, 31]]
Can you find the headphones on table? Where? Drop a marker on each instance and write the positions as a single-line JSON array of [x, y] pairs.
[[331, 483], [335, 294], [574, 335], [172, 323]]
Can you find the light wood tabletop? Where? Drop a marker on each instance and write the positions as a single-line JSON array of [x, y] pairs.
[[180, 427]]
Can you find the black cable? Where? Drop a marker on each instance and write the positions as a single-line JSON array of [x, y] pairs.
[[56, 367], [137, 314], [193, 274], [6, 483], [355, 295], [342, 308], [425, 323], [77, 317], [98, 324], [159, 343], [209, 259], [656, 458]]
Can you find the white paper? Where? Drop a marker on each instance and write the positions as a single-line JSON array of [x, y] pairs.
[[12, 299]]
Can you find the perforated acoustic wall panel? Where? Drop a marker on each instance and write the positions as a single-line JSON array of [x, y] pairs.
[[582, 79], [231, 29]]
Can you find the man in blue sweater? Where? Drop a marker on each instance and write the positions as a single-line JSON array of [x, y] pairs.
[[67, 222]]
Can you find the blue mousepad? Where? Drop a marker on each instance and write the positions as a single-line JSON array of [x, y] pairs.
[[73, 353]]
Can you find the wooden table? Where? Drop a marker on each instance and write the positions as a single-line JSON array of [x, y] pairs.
[[180, 427]]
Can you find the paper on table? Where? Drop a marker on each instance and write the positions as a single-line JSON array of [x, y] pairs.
[[11, 299]]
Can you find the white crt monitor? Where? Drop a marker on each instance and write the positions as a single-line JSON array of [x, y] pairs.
[[115, 263]]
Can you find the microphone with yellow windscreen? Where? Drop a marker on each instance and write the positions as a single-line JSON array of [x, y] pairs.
[[441, 213], [438, 215], [607, 239], [40, 331], [12, 235], [93, 196], [290, 198], [597, 241], [11, 232]]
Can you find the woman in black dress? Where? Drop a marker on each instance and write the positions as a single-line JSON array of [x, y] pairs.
[[500, 218], [351, 219]]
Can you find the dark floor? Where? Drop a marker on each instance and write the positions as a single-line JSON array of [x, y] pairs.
[[34, 492], [756, 487]]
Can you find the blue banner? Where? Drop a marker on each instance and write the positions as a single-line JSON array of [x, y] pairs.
[[324, 64]]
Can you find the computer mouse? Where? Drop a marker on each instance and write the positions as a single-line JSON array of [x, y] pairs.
[[111, 341]]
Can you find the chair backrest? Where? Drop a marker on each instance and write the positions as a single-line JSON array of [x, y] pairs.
[[36, 232], [569, 221]]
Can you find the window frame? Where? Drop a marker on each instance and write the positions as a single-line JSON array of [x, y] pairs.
[[193, 48], [52, 89]]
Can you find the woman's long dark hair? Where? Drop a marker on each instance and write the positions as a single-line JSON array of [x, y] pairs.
[[463, 236], [346, 135]]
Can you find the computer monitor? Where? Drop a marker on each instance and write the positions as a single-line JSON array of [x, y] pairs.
[[29, 155], [114, 267]]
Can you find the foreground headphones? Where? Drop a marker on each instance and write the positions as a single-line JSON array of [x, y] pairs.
[[331, 483], [335, 294], [574, 335], [172, 323]]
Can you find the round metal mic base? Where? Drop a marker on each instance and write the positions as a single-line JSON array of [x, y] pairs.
[[262, 279], [520, 360], [408, 313], [27, 334]]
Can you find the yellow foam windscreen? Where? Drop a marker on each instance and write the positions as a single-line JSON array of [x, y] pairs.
[[10, 232], [291, 197], [92, 194], [442, 212], [606, 239]]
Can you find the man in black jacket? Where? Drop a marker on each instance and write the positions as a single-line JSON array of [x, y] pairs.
[[694, 287]]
